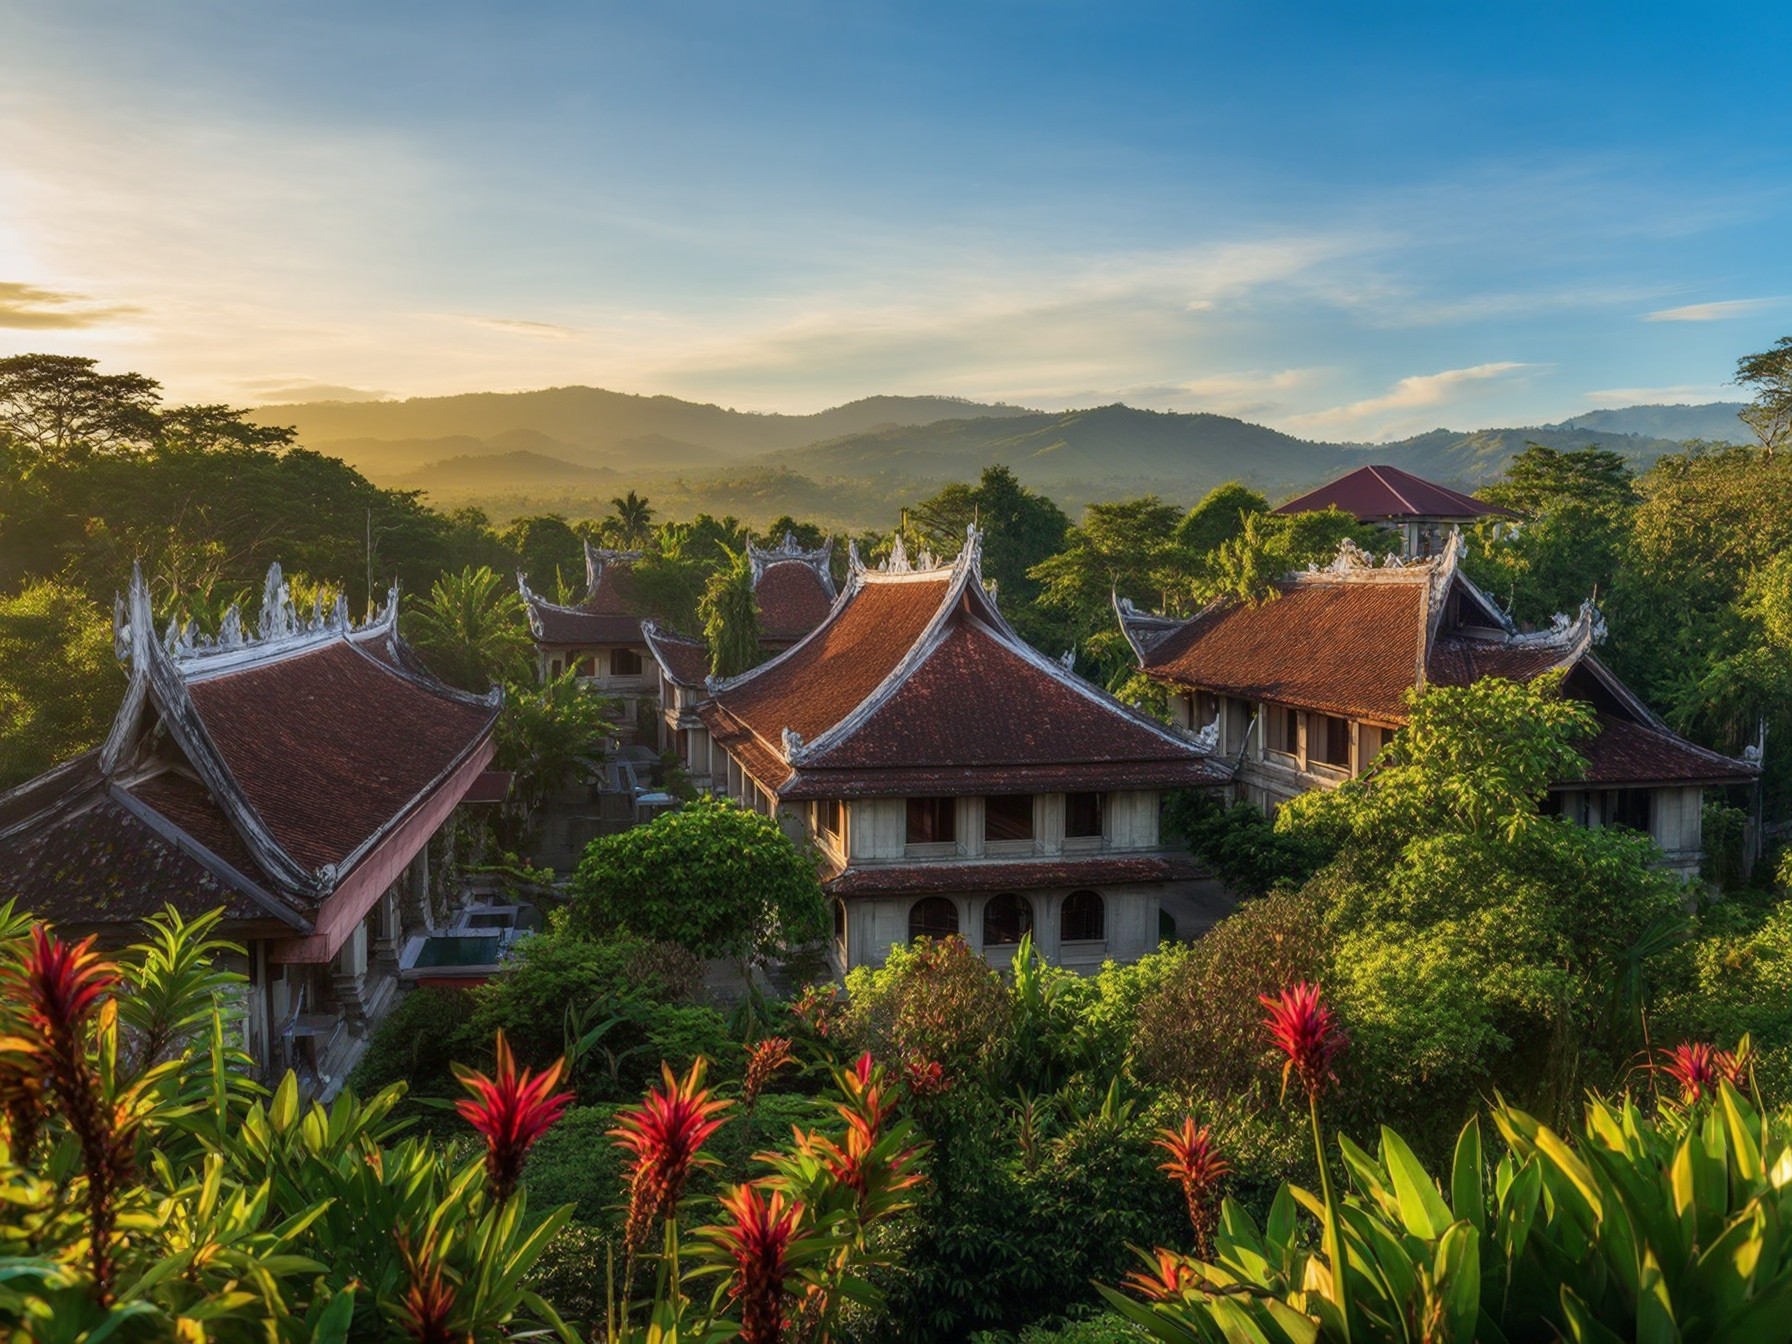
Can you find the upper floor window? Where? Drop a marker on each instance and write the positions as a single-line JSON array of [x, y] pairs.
[[932, 821], [1082, 815], [1282, 732], [932, 917], [1330, 740], [827, 816], [1630, 808], [1008, 816], [1083, 918], [1006, 919], [625, 663]]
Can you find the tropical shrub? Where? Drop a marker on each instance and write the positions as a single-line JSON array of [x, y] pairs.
[[710, 876]]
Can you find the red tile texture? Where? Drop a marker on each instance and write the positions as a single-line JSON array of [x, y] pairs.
[[1191, 772], [1635, 753], [607, 616], [1026, 874], [976, 702], [1460, 662], [331, 746], [815, 685], [792, 600], [1375, 493], [1342, 648], [685, 661]]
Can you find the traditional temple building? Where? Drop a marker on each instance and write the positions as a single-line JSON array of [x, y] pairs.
[[793, 589], [1302, 692], [952, 778], [293, 777], [1421, 513], [601, 636]]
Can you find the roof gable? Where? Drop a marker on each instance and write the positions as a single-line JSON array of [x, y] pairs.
[[1381, 493]]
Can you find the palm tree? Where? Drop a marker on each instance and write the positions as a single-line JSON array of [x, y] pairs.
[[472, 631], [633, 517], [730, 613]]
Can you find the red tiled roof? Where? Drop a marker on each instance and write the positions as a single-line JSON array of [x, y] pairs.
[[608, 614], [1342, 648], [685, 661], [821, 681], [1635, 753], [1380, 493], [187, 803], [330, 746], [792, 600], [901, 879], [1188, 773], [1460, 662], [976, 702], [86, 859]]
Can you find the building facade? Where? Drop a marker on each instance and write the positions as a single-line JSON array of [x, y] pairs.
[[952, 779], [1302, 692], [1420, 514], [292, 777], [600, 636]]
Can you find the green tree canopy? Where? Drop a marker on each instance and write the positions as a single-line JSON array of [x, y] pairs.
[[548, 551], [1768, 375], [59, 681], [730, 614], [547, 734], [631, 520], [62, 408], [712, 877], [1218, 518], [472, 630], [1020, 529]]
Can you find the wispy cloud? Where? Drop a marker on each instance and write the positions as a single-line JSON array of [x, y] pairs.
[[30, 308], [552, 331], [1721, 311], [1381, 416], [1680, 394]]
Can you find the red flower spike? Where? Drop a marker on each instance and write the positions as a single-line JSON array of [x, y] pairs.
[[924, 1077], [60, 983], [665, 1136], [764, 1059], [862, 1068], [758, 1239], [1195, 1165], [1304, 1028], [510, 1111], [1174, 1277], [427, 1307], [1699, 1068]]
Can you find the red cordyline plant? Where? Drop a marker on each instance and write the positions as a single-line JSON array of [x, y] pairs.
[[1699, 1067], [61, 987], [664, 1138], [764, 1060], [924, 1077], [1173, 1278], [510, 1112], [759, 1240], [1195, 1165]]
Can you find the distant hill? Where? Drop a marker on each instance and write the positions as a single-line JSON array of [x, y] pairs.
[[1714, 421], [586, 425], [493, 473], [1472, 459]]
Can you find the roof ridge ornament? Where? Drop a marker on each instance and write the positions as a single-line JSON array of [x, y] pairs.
[[897, 561]]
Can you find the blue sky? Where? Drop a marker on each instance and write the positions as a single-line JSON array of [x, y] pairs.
[[1347, 221]]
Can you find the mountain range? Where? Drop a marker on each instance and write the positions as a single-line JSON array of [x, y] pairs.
[[568, 449]]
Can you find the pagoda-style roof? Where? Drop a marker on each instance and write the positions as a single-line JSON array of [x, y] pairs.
[[915, 682], [287, 775], [793, 587], [606, 615], [1382, 494], [1352, 638], [683, 661]]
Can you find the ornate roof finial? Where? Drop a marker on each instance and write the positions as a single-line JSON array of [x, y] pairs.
[[897, 563]]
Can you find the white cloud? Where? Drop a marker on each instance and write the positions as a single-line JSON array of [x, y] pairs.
[[1680, 394], [1379, 417], [1720, 311]]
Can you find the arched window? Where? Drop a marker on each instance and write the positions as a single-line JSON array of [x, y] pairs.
[[1083, 919], [839, 920], [1006, 919], [932, 917]]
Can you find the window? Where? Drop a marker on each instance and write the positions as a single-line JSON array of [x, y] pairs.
[[1331, 743], [1082, 815], [1628, 808], [1238, 722], [932, 821], [625, 663], [1006, 919], [1083, 919], [1283, 732], [1205, 710], [555, 668], [839, 921], [1008, 816], [932, 917], [588, 666], [827, 816]]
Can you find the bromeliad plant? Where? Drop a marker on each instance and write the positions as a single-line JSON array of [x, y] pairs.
[[152, 1192], [1663, 1228]]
